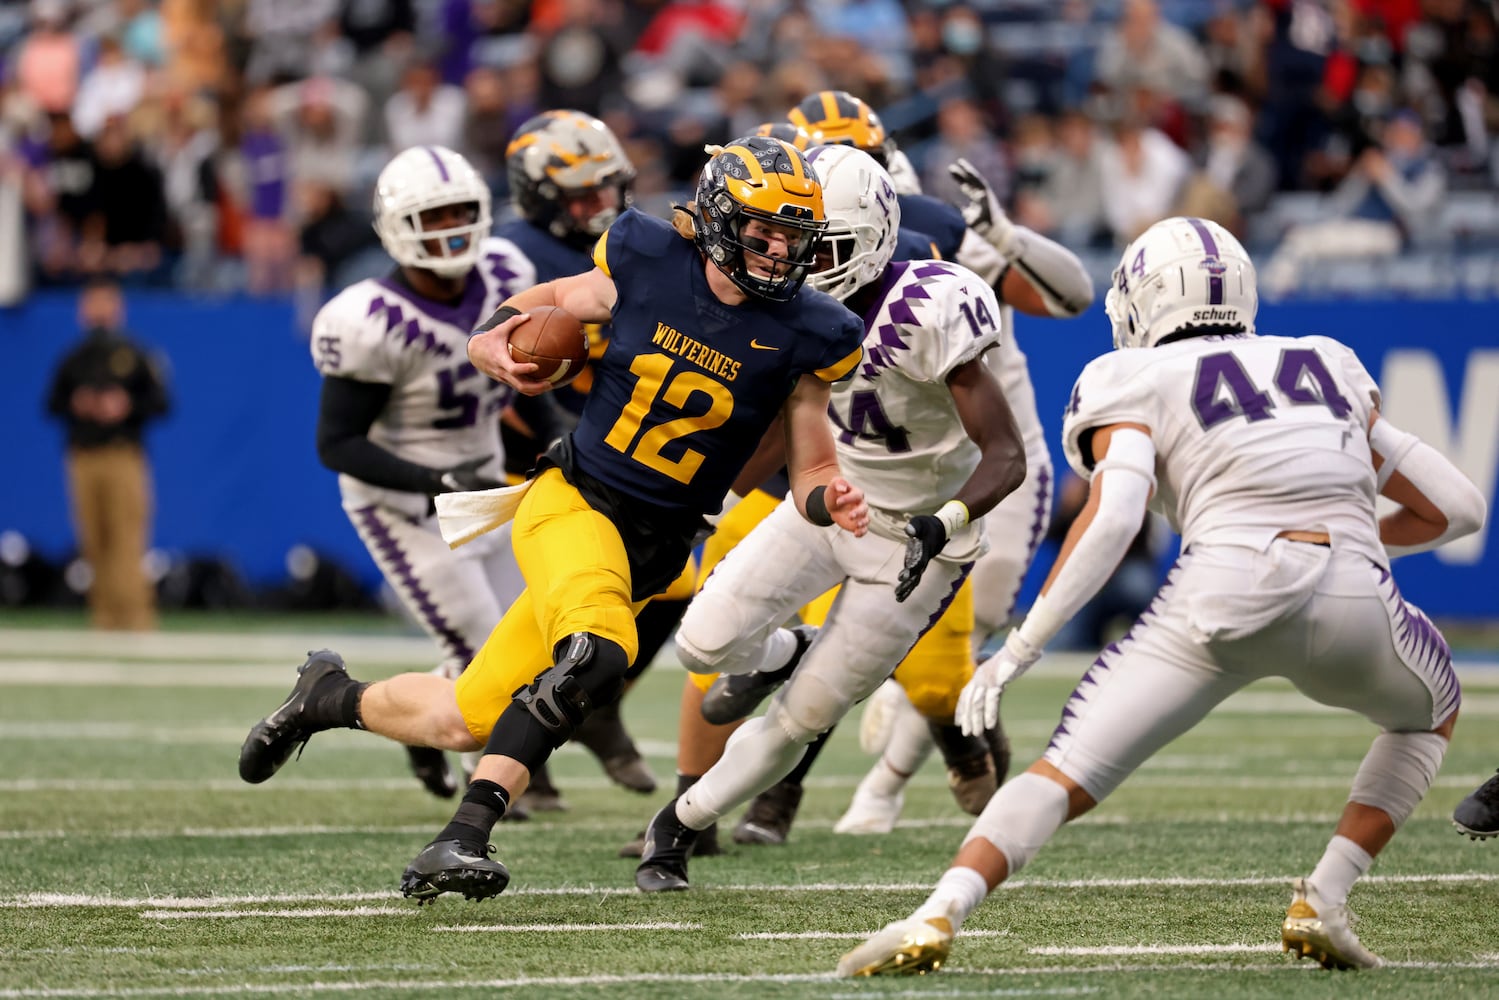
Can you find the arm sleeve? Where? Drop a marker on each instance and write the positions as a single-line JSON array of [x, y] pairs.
[[842, 354], [346, 412], [1124, 479]]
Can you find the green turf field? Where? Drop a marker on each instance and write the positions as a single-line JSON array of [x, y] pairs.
[[133, 862]]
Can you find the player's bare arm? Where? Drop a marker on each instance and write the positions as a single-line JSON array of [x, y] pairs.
[[768, 457], [989, 423], [812, 461], [589, 296], [1437, 502]]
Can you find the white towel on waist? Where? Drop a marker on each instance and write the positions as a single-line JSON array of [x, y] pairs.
[[462, 517]]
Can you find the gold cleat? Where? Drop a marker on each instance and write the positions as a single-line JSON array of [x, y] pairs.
[[1323, 932], [907, 947]]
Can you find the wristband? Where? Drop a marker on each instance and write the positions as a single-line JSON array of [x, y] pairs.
[[817, 507], [500, 315], [954, 516]]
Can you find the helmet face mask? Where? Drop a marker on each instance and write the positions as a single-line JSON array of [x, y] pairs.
[[863, 219], [559, 159], [754, 191], [409, 195], [838, 118], [1182, 276]]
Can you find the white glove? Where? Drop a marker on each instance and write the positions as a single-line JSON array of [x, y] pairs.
[[983, 213], [978, 704]]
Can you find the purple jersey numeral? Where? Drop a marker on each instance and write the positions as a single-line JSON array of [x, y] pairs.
[[1247, 401], [867, 421], [979, 320], [1299, 362], [1244, 400], [450, 398]]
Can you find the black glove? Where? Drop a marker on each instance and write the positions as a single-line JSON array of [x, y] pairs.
[[464, 476], [927, 537]]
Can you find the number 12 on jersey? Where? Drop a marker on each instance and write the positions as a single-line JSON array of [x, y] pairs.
[[625, 436]]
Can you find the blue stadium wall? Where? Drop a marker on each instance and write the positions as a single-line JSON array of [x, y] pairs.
[[237, 473]]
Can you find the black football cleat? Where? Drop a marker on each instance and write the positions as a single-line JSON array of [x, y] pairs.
[[431, 768], [663, 858], [1478, 814], [604, 735], [768, 819], [273, 739], [736, 696], [447, 866], [705, 846]]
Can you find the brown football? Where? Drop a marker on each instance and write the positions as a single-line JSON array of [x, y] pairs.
[[553, 339]]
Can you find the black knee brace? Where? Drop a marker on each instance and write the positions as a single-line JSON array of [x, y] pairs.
[[589, 671]]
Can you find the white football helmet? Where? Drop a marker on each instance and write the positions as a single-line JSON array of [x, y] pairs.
[[1181, 274], [423, 178], [863, 216]]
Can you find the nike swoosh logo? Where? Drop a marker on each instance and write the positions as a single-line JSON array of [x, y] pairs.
[[762, 347], [469, 859]]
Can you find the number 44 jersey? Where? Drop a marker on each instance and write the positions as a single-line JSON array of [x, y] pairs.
[[899, 435], [441, 410], [1253, 435]]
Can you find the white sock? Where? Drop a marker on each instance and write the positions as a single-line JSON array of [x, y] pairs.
[[772, 654], [910, 740], [758, 756], [883, 781], [959, 892], [1343, 864]]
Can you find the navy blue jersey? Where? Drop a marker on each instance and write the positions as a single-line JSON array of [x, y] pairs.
[[688, 385], [555, 258], [913, 245], [942, 223]]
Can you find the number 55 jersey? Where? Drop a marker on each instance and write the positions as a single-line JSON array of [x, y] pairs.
[[1253, 436], [441, 410]]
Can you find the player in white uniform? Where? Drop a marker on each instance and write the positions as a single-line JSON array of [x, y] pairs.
[[1266, 453], [923, 427], [1023, 268], [404, 415]]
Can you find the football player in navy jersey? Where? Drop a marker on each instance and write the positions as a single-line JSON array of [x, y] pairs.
[[713, 336], [570, 179]]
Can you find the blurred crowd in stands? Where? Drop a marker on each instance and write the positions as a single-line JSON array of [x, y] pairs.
[[231, 145]]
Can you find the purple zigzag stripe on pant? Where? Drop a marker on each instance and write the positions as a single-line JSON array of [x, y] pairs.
[[1418, 639], [1104, 663], [957, 585], [403, 577]]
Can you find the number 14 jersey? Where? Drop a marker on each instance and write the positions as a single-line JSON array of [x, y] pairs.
[[1253, 435]]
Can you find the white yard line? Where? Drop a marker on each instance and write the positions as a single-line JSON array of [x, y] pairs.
[[599, 782], [949, 974], [609, 826], [1152, 949], [267, 647], [842, 935], [53, 900], [356, 911], [564, 928]]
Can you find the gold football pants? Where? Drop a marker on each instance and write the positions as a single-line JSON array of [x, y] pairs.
[[577, 580]]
